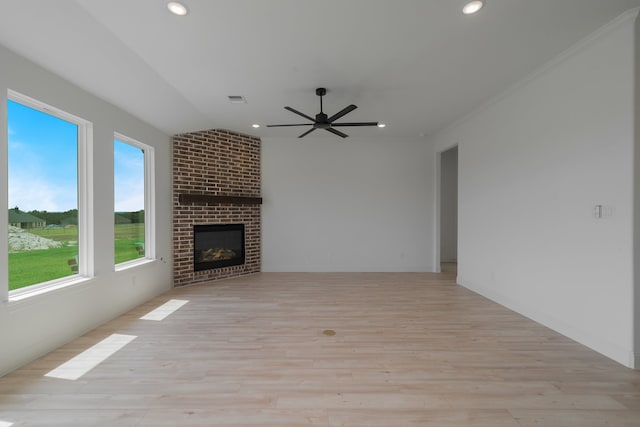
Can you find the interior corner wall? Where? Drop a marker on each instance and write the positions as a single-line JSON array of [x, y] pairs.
[[355, 205], [449, 205], [533, 164], [34, 326], [636, 196]]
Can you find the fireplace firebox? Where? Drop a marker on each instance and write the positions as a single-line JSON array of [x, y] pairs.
[[217, 246]]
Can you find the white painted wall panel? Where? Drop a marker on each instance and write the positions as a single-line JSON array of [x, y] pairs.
[[347, 205], [532, 166], [37, 325]]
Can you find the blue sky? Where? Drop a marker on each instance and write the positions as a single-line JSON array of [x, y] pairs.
[[43, 164], [128, 163]]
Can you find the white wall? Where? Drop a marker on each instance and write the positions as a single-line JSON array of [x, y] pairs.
[[532, 166], [32, 327], [347, 205], [636, 195], [449, 205]]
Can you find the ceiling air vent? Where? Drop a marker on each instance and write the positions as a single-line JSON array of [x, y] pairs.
[[236, 99]]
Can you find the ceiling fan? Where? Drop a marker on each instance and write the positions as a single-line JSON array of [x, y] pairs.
[[322, 121]]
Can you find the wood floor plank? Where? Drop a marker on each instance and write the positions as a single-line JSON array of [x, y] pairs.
[[405, 349], [575, 418], [422, 418]]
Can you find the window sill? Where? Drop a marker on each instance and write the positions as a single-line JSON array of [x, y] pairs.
[[134, 263], [25, 294]]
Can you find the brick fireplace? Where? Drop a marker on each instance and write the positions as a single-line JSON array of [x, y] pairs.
[[216, 180]]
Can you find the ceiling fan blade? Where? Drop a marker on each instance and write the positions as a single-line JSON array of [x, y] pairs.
[[307, 132], [356, 124], [278, 126], [337, 132], [341, 113], [299, 113]]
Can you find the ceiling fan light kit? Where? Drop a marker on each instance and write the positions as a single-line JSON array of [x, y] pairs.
[[322, 121]]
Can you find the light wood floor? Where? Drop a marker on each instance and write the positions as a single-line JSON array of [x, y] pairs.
[[409, 349]]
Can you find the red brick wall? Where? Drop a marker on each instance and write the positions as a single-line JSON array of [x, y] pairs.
[[220, 163]]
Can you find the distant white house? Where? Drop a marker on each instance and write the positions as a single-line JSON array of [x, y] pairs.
[[20, 219]]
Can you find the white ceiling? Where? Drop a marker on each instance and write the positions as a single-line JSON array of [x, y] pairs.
[[416, 65]]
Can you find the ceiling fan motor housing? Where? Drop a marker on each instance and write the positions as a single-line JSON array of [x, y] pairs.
[[322, 121]]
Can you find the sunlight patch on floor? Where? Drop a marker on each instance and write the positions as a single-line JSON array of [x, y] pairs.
[[90, 358], [164, 310]]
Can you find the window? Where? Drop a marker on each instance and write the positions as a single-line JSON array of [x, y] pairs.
[[47, 197], [133, 219]]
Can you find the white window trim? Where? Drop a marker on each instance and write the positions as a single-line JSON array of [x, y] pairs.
[[86, 269], [149, 203], [4, 200]]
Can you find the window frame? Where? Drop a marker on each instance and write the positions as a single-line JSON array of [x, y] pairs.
[[149, 203], [86, 261]]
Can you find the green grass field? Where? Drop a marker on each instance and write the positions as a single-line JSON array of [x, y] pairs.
[[53, 263], [58, 234]]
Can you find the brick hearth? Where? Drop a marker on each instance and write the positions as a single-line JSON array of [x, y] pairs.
[[218, 163]]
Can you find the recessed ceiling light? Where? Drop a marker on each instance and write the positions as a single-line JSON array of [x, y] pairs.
[[177, 8], [255, 125], [382, 125], [472, 7]]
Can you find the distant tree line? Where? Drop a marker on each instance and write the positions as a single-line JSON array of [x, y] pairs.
[[136, 217], [69, 217]]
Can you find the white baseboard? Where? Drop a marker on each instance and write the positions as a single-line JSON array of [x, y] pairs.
[[596, 343]]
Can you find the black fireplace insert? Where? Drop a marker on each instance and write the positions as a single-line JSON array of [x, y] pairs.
[[217, 246]]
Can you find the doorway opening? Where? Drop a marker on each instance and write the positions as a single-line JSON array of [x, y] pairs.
[[449, 210]]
